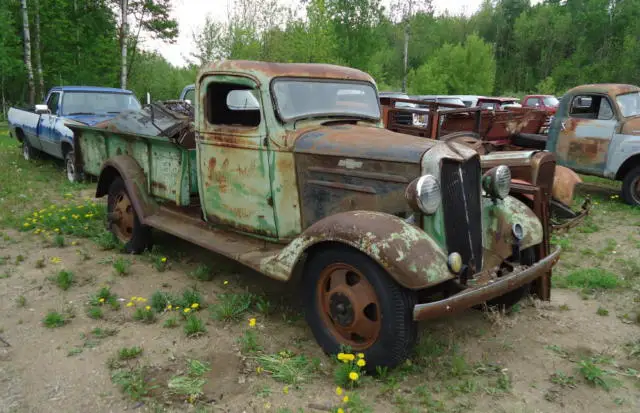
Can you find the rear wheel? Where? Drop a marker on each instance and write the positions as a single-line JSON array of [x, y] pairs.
[[351, 301], [631, 187], [73, 174], [123, 220], [28, 152]]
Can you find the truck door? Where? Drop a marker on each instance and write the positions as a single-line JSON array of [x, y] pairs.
[[585, 134], [234, 176], [47, 125]]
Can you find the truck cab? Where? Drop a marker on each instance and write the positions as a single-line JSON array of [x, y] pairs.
[[596, 131], [294, 176]]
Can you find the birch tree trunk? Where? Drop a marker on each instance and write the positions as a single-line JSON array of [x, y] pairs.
[[27, 51], [123, 44], [38, 53]]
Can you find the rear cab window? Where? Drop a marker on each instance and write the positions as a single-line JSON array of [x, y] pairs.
[[591, 107]]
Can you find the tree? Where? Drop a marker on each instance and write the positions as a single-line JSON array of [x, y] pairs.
[[38, 54], [124, 33], [27, 51]]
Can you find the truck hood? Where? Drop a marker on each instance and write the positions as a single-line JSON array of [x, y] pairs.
[[631, 126], [363, 142], [92, 119]]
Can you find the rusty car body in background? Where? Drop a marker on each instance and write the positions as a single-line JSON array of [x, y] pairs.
[[381, 229], [512, 131], [596, 131]]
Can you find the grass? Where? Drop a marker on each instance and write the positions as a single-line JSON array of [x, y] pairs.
[[193, 326], [287, 368], [596, 376], [105, 296], [563, 380], [54, 319], [161, 300], [190, 385], [129, 353], [145, 315], [21, 301], [602, 312], [591, 278], [171, 322], [122, 266], [203, 273], [133, 382], [103, 332], [249, 342], [95, 313], [231, 307], [64, 279]]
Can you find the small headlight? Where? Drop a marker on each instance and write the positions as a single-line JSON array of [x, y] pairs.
[[423, 194], [454, 261], [497, 182]]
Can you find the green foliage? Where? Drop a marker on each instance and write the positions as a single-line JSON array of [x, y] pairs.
[[122, 265], [64, 279], [590, 278], [128, 353], [249, 342], [54, 319], [596, 376], [133, 382], [190, 385], [144, 315], [231, 307], [287, 368], [203, 273], [193, 326]]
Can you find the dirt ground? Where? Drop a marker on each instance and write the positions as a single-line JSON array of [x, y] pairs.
[[542, 357]]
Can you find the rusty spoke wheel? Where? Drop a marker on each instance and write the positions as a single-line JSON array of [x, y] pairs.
[[350, 305], [352, 301], [123, 220]]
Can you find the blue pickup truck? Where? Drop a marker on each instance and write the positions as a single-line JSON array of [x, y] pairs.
[[43, 129]]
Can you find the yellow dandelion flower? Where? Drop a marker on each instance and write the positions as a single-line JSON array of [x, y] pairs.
[[134, 298], [349, 357], [74, 242], [259, 369], [130, 304], [353, 376], [169, 306], [361, 363], [195, 305], [340, 410], [186, 310], [285, 389], [26, 225], [339, 391], [360, 355], [341, 356], [252, 322], [55, 260], [35, 214], [57, 230], [225, 282], [345, 399], [177, 308], [87, 216], [64, 218], [101, 300], [163, 259], [148, 308], [142, 300]]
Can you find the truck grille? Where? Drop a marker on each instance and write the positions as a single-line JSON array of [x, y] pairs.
[[403, 118], [461, 203]]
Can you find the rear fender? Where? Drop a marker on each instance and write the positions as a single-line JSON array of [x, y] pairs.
[[125, 167], [408, 254]]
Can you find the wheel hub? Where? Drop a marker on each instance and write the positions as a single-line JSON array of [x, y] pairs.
[[341, 309]]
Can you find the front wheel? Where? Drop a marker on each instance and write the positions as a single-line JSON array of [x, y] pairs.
[[351, 301], [123, 220], [73, 174], [631, 187]]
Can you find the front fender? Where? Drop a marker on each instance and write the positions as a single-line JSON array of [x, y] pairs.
[[498, 220], [135, 181], [406, 252]]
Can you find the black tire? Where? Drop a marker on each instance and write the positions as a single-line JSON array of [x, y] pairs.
[[398, 332], [135, 238], [507, 301], [73, 173], [631, 187], [28, 151]]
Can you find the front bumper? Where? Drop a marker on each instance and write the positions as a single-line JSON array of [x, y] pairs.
[[492, 289]]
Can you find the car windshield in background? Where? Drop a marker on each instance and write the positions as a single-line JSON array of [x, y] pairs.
[[190, 94], [629, 104], [297, 99], [97, 103], [551, 101]]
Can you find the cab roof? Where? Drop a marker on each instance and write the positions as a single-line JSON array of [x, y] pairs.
[[265, 71], [611, 89]]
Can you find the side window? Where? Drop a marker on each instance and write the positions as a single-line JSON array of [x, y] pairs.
[[590, 107], [533, 102], [53, 101], [233, 105]]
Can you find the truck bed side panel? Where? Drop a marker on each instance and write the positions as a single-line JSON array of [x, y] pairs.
[[27, 122], [165, 164]]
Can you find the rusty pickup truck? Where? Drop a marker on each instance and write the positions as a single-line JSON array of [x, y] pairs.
[[292, 174], [596, 131]]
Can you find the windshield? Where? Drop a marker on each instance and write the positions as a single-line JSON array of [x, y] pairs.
[[97, 103], [452, 101], [551, 101], [629, 104], [297, 99]]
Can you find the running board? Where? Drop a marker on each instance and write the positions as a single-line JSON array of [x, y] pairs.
[[241, 248]]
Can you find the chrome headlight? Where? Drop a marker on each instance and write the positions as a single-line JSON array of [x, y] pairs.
[[423, 194], [496, 182], [419, 119]]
